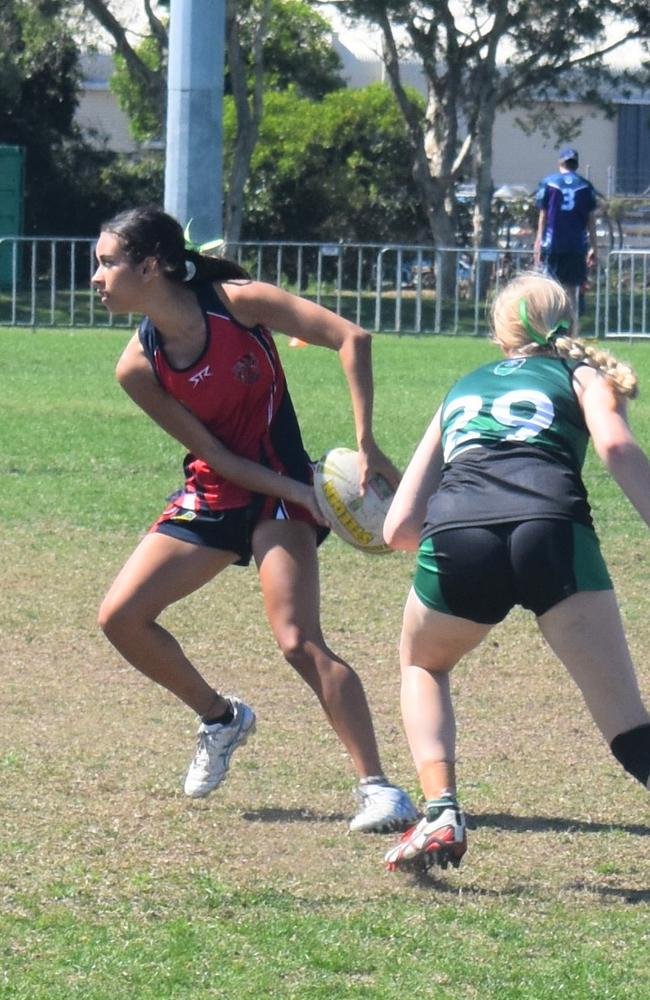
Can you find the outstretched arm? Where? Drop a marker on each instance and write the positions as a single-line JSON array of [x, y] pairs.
[[605, 416], [407, 511], [135, 375], [256, 302]]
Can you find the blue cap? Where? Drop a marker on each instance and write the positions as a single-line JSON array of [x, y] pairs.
[[569, 154]]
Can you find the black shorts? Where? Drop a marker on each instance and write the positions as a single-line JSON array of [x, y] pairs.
[[481, 572], [231, 530], [570, 269]]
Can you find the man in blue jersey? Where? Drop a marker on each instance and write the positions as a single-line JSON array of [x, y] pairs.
[[566, 230]]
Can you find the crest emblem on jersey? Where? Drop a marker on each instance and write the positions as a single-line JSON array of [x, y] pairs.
[[200, 376], [511, 365], [246, 369]]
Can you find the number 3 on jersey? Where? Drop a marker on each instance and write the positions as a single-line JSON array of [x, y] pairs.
[[568, 200], [528, 411]]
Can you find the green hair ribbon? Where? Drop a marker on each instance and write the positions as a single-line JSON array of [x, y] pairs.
[[201, 247], [533, 333]]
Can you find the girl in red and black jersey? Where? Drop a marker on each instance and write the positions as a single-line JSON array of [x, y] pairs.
[[204, 366]]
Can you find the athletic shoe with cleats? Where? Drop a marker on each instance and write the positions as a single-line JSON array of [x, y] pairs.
[[383, 809], [215, 746], [440, 838]]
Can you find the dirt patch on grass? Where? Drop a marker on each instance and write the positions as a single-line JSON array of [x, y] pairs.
[[92, 756]]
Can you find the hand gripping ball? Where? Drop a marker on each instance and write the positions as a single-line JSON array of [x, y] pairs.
[[357, 519]]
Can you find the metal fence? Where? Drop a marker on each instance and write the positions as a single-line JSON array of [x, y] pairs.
[[47, 282], [627, 298], [394, 288]]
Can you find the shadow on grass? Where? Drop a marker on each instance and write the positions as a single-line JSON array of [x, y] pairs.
[[498, 821], [292, 816], [431, 881], [633, 896], [551, 824], [446, 886]]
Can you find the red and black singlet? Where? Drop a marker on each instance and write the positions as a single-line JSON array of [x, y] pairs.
[[237, 389]]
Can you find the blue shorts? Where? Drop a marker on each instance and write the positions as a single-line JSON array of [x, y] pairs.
[[481, 572], [570, 269]]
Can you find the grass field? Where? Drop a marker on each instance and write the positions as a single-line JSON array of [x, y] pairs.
[[115, 887]]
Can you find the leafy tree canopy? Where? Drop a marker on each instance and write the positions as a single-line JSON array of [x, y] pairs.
[[144, 107], [330, 170], [297, 51], [481, 55], [39, 75], [70, 187]]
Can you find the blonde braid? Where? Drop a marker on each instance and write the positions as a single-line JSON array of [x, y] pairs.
[[530, 316], [623, 377]]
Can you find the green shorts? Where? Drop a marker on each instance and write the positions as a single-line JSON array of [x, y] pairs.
[[480, 572]]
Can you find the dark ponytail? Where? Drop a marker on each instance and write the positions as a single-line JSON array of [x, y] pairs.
[[210, 268], [149, 232]]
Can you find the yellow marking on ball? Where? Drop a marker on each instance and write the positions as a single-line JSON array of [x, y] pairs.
[[359, 534]]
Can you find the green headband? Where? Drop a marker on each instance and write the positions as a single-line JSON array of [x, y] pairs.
[[533, 333], [200, 247]]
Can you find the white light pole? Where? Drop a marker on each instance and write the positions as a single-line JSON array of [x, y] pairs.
[[193, 162]]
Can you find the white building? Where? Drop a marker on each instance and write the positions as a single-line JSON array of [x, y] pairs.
[[98, 113]]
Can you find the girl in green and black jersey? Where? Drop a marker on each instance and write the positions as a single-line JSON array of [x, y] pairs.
[[494, 505]]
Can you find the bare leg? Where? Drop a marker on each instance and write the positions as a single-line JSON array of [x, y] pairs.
[[585, 631], [431, 645], [286, 556], [160, 571]]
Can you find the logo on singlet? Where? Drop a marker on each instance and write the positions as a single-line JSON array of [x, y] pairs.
[[246, 369], [511, 365], [199, 377]]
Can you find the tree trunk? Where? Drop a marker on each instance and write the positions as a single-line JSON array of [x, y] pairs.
[[482, 215], [485, 86], [249, 114], [483, 147], [433, 149], [153, 81]]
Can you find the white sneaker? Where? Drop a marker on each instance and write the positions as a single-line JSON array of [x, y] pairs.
[[383, 808], [215, 746]]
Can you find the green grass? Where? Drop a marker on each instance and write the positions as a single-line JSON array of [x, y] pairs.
[[115, 887], [272, 944], [63, 413]]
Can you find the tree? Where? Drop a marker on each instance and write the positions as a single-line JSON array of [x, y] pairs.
[[248, 104], [142, 82], [330, 170], [482, 55], [296, 48], [70, 186], [268, 42], [39, 74], [143, 103]]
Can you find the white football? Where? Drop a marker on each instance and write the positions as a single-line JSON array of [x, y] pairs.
[[357, 519]]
